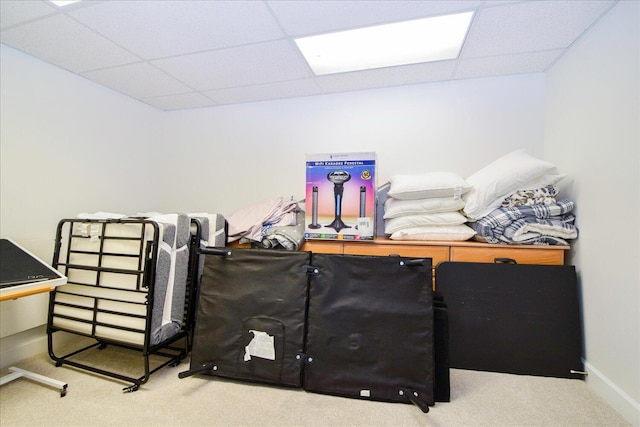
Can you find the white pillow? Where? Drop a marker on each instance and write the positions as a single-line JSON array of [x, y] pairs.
[[443, 218], [540, 182], [427, 185], [435, 232], [395, 207], [509, 173]]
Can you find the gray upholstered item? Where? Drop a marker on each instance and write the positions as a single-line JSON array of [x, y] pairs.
[[127, 286]]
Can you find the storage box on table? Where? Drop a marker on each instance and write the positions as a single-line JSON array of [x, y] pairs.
[[340, 196]]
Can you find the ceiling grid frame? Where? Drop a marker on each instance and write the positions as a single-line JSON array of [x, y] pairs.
[[188, 54]]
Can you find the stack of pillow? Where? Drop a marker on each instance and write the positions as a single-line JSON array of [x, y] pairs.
[[426, 207]]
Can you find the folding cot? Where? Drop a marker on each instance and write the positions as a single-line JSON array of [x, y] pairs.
[[354, 326], [131, 284]]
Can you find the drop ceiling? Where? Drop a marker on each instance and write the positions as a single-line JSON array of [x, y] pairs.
[[186, 54]]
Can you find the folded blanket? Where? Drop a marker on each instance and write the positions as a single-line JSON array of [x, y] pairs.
[[250, 221], [545, 224], [289, 237], [545, 195]]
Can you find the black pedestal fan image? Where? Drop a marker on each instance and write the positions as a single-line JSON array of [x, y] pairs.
[[338, 178]]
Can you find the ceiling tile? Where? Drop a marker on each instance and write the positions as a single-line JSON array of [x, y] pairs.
[[385, 77], [139, 80], [179, 27], [180, 101], [530, 26], [314, 17], [18, 12], [535, 62], [288, 89], [246, 65], [63, 42]]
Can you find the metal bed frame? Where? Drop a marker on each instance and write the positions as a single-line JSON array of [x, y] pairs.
[[174, 349]]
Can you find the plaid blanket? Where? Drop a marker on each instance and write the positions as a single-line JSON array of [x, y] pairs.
[[540, 224]]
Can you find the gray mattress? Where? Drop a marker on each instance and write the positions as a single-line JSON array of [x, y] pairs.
[[106, 262]]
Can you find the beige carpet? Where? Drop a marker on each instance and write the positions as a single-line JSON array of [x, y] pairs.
[[477, 399]]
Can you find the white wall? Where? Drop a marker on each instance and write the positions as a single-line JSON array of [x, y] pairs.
[[66, 146], [245, 153], [592, 128]]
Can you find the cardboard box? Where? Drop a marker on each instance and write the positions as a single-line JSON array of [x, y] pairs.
[[340, 196]]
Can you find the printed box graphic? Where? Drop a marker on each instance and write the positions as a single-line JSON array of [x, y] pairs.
[[340, 196]]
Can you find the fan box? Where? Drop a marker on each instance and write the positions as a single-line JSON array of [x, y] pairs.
[[340, 197]]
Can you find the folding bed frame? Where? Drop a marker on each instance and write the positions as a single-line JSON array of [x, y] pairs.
[[349, 325], [132, 283]]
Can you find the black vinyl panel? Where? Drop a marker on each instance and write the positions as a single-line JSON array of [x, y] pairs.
[[520, 319], [370, 328], [19, 267], [252, 291]]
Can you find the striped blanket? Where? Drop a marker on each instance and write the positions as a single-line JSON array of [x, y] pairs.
[[540, 224]]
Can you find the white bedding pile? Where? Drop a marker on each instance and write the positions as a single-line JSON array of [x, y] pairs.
[[426, 207], [514, 201], [503, 177]]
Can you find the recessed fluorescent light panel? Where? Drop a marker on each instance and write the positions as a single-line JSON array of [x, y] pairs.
[[410, 42], [61, 3]]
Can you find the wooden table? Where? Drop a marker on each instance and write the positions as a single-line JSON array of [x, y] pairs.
[[18, 257]]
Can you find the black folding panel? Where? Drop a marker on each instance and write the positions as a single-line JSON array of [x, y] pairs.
[[19, 267], [250, 317], [370, 328], [442, 388], [513, 318]]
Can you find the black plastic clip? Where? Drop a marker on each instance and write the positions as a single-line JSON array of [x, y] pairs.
[[412, 262], [414, 397], [313, 271], [207, 367], [214, 251]]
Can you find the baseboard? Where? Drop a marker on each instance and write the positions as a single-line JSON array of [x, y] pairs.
[[26, 344], [614, 395], [23, 345]]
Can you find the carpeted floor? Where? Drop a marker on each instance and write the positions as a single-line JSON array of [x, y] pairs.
[[477, 399]]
